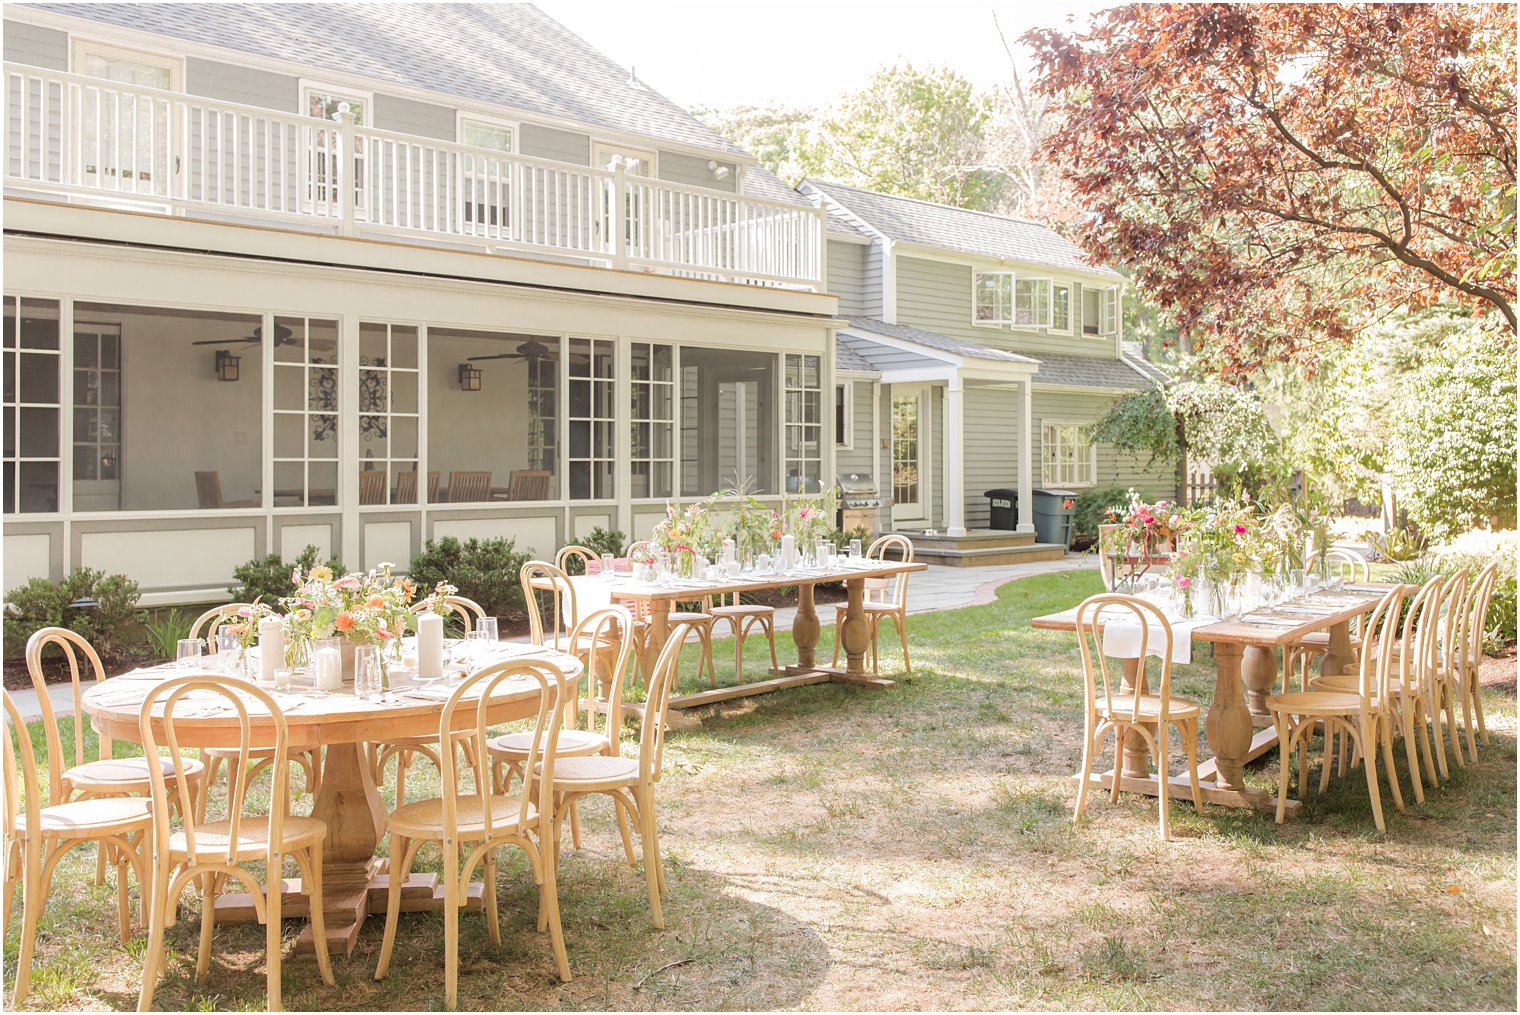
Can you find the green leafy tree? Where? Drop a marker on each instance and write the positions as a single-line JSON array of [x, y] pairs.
[[908, 132], [769, 133]]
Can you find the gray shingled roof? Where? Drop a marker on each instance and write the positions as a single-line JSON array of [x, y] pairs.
[[506, 54], [1089, 372], [942, 343], [848, 357], [972, 232], [761, 182], [1134, 355]]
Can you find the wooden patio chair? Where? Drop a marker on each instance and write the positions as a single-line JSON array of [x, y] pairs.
[[529, 484], [406, 487], [1111, 707], [36, 837], [885, 598], [208, 493], [470, 825], [469, 487], [212, 853], [1363, 715], [373, 487]]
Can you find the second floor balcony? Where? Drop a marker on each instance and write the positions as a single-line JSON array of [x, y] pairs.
[[89, 139]]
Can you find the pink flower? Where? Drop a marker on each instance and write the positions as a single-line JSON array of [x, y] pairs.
[[382, 632], [1148, 519], [1183, 583], [295, 577], [806, 514], [346, 583], [1239, 529], [244, 611]]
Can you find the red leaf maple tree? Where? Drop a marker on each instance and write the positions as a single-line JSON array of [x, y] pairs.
[[1277, 175]]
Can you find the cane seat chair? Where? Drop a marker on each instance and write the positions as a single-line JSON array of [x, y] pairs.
[[214, 853], [885, 599], [742, 618], [629, 781], [471, 820], [607, 635], [1111, 707], [1302, 653], [1363, 715], [309, 759], [36, 836]]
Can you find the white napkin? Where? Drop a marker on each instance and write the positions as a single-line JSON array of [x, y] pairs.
[[1121, 638]]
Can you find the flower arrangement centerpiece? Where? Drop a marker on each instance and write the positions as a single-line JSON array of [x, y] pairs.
[[374, 607], [685, 535], [809, 519], [1220, 546], [1143, 535], [737, 514]]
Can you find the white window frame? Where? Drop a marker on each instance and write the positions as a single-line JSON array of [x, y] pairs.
[[1078, 461], [603, 151], [386, 414], [801, 426], [992, 322], [1108, 311], [1070, 290], [308, 371], [596, 456], [1036, 318], [341, 92], [83, 48], [63, 485], [844, 437], [464, 117], [667, 423]]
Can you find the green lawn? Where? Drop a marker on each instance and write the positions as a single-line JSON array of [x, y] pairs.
[[835, 847]]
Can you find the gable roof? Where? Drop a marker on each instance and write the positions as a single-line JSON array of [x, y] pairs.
[[939, 343], [926, 224], [507, 54], [1090, 372]]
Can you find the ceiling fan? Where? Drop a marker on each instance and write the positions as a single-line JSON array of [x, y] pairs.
[[282, 336], [531, 349]]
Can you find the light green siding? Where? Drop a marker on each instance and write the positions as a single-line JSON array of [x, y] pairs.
[[423, 119], [847, 269], [692, 171], [230, 82], [992, 447], [859, 457], [560, 145], [36, 47], [1113, 466]]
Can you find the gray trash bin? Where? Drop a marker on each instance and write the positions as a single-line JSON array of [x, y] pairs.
[[1052, 520]]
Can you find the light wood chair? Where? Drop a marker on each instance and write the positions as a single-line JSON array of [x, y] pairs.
[[1107, 568], [469, 487], [886, 599], [36, 837], [406, 487], [1471, 656], [213, 853], [1301, 654], [1364, 716], [373, 486], [550, 597], [107, 776], [603, 641], [208, 493], [1413, 694], [742, 618], [529, 484], [698, 622], [590, 560], [1449, 679], [470, 820], [1112, 708], [629, 781], [309, 759]]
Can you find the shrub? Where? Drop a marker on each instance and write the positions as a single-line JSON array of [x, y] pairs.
[[165, 629], [111, 625], [1475, 551], [268, 578], [483, 570], [599, 541], [1091, 510]]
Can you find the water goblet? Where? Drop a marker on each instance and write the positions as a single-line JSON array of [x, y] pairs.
[[489, 629], [187, 653]]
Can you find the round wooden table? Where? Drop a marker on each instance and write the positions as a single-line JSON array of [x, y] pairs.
[[354, 880]]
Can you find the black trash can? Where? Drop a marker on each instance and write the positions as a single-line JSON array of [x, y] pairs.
[[1005, 508]]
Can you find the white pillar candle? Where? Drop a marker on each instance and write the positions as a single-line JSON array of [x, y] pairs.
[[429, 645], [788, 552], [328, 663], [271, 647], [728, 551]]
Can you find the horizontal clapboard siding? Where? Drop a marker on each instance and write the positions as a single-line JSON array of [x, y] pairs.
[[423, 119], [859, 458], [847, 267], [692, 171], [542, 142], [1113, 466], [232, 83], [992, 447], [37, 47]]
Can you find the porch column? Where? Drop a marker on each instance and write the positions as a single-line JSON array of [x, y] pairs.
[[955, 457], [1026, 456]]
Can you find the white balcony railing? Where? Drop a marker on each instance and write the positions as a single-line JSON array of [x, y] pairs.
[[86, 137]]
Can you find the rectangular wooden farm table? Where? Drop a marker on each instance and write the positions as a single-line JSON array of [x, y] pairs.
[[1245, 657], [854, 633]]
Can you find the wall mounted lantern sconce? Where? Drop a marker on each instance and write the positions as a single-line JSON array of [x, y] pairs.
[[469, 377], [226, 366]]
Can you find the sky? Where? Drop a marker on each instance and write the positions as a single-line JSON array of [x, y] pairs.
[[723, 53]]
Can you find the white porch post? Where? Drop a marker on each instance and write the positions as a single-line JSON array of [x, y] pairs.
[[1026, 456], [347, 486], [955, 457]]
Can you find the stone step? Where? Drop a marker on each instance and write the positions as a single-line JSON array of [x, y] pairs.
[[973, 540], [988, 556]]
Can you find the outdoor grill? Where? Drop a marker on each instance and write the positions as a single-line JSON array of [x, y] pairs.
[[859, 501]]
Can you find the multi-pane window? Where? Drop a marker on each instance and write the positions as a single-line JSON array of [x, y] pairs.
[[728, 420], [844, 415], [992, 293], [124, 139], [592, 418], [486, 182], [804, 423], [32, 405], [97, 414], [305, 412], [1031, 303], [1068, 456], [324, 104], [1100, 311], [652, 380], [1060, 308], [388, 413]]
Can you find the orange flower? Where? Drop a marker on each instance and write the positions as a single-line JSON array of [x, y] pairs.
[[374, 602], [344, 621]]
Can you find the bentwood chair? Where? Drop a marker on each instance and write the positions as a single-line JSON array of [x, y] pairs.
[[886, 599], [1113, 708], [743, 618], [469, 487], [1302, 653], [698, 622], [469, 613], [629, 781], [213, 853], [603, 641], [1470, 653], [1363, 715], [107, 776], [579, 558], [36, 837], [310, 759], [470, 820], [1412, 691]]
